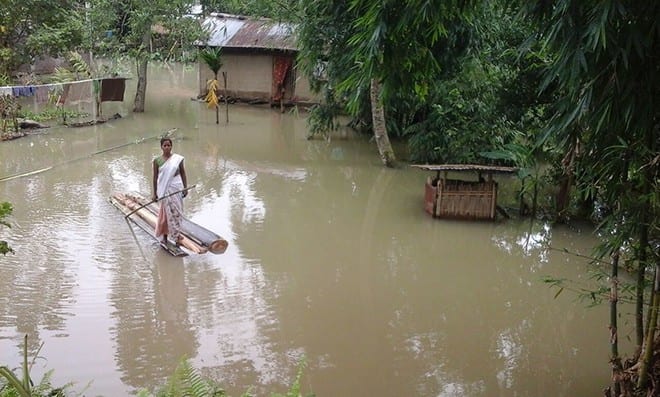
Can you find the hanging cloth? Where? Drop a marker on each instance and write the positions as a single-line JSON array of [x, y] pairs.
[[80, 91], [281, 65], [113, 89], [41, 94]]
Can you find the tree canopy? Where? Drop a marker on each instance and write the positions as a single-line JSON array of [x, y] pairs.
[[32, 28]]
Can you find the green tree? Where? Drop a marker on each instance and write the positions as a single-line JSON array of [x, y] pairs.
[[132, 24], [31, 28], [374, 51], [280, 9], [606, 64], [484, 98]]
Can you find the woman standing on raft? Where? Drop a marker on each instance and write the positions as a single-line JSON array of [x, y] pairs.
[[169, 176]]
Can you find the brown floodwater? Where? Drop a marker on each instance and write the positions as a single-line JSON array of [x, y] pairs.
[[331, 262]]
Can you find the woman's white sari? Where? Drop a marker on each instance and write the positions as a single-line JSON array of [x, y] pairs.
[[171, 208]]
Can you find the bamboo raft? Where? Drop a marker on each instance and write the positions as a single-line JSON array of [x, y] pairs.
[[196, 238]]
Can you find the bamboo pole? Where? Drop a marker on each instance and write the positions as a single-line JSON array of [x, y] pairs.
[[23, 174]]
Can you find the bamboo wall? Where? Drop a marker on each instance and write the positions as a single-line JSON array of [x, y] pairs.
[[454, 198]]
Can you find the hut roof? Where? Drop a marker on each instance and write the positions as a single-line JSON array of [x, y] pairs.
[[465, 167], [231, 31]]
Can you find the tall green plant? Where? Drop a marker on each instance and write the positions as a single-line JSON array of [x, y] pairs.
[[31, 28], [12, 385], [212, 57], [22, 386]]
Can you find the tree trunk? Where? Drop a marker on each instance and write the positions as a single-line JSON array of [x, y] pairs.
[[615, 360], [566, 182], [142, 62], [379, 126], [647, 351], [141, 91]]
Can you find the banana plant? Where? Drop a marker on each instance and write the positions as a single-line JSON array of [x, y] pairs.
[[212, 58]]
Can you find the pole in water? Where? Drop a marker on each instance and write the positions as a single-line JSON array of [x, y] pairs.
[[128, 222]]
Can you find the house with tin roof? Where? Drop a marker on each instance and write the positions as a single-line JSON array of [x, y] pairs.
[[259, 59]]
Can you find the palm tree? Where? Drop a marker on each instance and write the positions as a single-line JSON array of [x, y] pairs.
[[212, 58]]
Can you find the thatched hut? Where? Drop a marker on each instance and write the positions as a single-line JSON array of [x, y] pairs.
[[462, 198]]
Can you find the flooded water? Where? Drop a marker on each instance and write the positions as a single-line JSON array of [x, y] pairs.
[[331, 261]]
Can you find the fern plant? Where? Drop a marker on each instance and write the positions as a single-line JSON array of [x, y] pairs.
[[187, 381], [78, 65], [294, 390]]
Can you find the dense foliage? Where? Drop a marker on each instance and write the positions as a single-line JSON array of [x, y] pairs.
[[32, 28], [605, 62], [454, 84]]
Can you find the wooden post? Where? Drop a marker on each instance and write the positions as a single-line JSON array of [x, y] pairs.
[[224, 78], [441, 183], [493, 203]]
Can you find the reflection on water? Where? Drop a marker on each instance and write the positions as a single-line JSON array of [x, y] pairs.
[[331, 260], [152, 322]]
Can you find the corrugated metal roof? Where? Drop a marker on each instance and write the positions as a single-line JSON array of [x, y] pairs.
[[464, 167], [236, 32]]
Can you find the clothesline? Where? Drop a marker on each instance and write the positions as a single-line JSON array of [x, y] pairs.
[[62, 83], [101, 89]]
